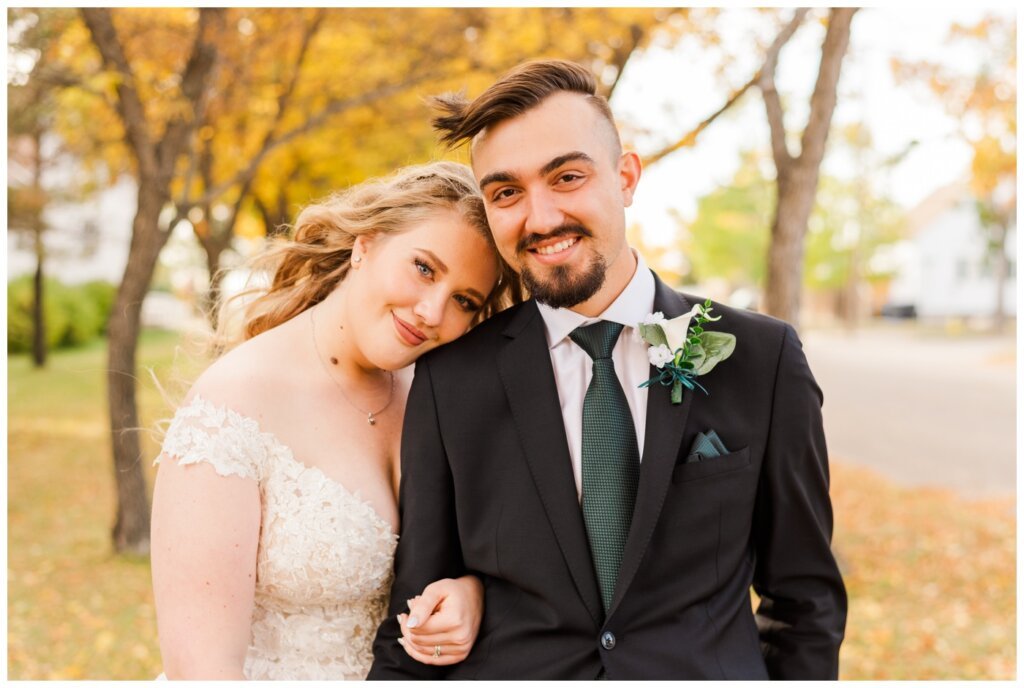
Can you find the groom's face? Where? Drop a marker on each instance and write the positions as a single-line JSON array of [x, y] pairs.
[[555, 188]]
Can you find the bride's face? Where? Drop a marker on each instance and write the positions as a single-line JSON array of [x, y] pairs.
[[418, 289]]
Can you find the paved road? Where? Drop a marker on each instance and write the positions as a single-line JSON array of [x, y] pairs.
[[921, 409]]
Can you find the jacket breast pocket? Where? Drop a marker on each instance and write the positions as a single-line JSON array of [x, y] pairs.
[[726, 463]]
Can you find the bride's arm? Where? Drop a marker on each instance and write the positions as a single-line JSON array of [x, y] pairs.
[[443, 621], [205, 531]]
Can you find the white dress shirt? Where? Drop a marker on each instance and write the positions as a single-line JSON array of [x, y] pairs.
[[574, 368]]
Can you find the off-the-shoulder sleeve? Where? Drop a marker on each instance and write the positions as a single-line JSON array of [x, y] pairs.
[[225, 439]]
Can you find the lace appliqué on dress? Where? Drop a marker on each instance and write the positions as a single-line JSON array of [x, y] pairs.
[[324, 563], [228, 441]]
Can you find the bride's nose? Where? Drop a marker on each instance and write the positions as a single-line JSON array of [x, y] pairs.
[[430, 308]]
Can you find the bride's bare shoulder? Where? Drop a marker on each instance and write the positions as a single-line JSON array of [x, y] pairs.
[[247, 378]]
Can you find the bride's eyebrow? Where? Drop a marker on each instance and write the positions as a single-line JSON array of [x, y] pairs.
[[437, 261]]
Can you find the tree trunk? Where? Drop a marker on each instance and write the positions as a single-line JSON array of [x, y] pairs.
[[797, 176], [38, 317], [213, 251], [38, 310], [155, 170], [851, 288], [786, 252], [131, 526], [1002, 270]]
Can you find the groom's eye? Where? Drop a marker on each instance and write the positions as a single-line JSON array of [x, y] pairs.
[[503, 194]]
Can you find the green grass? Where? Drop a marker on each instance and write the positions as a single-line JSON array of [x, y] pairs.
[[75, 609], [931, 577]]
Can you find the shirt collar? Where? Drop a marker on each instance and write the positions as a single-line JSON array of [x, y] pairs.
[[628, 309]]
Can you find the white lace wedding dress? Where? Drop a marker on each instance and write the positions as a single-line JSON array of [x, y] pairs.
[[323, 567]]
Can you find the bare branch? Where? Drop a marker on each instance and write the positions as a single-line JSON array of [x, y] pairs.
[[282, 101], [689, 139], [62, 78], [268, 139], [129, 104], [823, 100], [772, 102], [334, 108], [194, 81], [622, 54]]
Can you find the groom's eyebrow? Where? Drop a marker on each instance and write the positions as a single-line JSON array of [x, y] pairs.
[[493, 177], [549, 167], [575, 156]]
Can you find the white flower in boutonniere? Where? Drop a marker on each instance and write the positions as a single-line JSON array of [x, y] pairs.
[[660, 355], [681, 350]]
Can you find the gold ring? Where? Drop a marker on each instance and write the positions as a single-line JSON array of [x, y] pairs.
[[437, 651]]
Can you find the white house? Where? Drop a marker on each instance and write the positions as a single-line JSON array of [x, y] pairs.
[[944, 271]]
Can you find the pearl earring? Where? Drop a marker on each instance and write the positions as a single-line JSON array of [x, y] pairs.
[[356, 259]]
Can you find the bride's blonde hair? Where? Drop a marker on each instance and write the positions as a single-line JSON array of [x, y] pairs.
[[316, 259]]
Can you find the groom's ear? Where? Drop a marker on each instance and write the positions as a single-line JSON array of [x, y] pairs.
[[630, 168]]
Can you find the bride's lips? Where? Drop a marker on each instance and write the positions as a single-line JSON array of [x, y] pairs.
[[409, 334]]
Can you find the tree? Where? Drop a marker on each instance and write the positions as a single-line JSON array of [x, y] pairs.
[[983, 104], [30, 123], [797, 175], [850, 222], [156, 148]]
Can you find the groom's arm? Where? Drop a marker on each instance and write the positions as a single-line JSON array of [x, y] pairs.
[[802, 615], [428, 548]]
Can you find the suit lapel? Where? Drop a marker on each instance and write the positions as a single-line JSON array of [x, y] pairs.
[[525, 368], [663, 434]]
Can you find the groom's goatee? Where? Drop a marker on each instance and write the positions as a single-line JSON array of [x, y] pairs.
[[562, 289]]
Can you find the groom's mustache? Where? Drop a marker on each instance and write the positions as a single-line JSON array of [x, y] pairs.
[[531, 240]]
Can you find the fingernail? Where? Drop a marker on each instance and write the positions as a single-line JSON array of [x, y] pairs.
[[413, 622], [401, 641]]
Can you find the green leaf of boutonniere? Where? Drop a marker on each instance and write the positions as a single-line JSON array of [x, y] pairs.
[[653, 335], [715, 347]]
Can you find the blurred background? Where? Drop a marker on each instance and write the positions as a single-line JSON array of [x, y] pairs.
[[852, 172]]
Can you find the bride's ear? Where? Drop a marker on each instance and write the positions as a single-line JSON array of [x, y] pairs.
[[362, 246]]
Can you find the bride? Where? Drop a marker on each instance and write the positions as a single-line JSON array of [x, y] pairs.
[[275, 514]]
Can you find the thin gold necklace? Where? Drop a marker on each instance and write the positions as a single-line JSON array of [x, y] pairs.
[[370, 415]]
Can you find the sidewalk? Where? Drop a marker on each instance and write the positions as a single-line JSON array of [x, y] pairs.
[[920, 408]]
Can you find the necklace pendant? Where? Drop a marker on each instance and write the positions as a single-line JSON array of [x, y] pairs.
[[370, 419]]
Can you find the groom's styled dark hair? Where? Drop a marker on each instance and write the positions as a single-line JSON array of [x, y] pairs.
[[519, 90]]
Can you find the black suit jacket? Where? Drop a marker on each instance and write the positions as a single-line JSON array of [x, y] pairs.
[[487, 488]]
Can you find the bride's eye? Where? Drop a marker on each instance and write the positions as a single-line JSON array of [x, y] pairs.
[[423, 268], [467, 303]]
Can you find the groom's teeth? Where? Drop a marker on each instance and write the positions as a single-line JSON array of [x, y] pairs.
[[555, 248]]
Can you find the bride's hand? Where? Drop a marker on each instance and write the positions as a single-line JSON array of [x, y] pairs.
[[443, 621]]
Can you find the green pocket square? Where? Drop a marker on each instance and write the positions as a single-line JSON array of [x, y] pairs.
[[706, 446]]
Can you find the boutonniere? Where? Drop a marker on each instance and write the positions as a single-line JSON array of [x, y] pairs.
[[682, 351]]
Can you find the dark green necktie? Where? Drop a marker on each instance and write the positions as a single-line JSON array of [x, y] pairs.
[[611, 460]]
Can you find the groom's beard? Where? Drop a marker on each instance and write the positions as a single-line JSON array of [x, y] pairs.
[[561, 287]]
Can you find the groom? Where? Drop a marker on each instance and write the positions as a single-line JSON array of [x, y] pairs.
[[611, 542]]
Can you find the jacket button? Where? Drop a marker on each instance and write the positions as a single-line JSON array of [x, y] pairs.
[[608, 640]]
